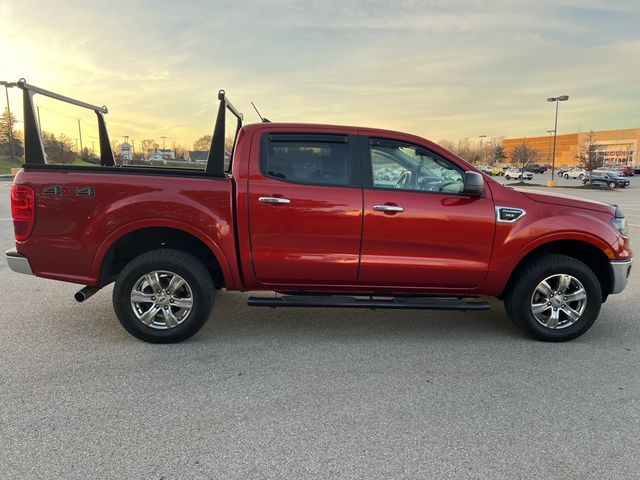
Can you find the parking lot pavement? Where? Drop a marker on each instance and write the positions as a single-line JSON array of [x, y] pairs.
[[314, 393]]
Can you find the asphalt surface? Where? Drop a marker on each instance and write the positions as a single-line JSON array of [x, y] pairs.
[[312, 393]]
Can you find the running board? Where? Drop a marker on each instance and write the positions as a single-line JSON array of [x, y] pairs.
[[336, 301]]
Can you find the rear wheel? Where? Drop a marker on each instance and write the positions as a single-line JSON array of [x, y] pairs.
[[163, 296], [555, 298]]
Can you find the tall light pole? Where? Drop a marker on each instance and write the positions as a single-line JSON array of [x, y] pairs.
[[482, 137], [163, 138], [13, 153], [549, 155], [561, 98]]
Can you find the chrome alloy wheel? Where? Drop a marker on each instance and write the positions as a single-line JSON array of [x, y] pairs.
[[161, 299], [558, 301]]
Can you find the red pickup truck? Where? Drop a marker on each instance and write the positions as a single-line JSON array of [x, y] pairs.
[[327, 216]]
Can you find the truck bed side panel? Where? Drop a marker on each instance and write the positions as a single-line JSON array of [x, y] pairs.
[[78, 213]]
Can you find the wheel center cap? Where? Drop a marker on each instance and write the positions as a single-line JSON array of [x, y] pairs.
[[162, 299]]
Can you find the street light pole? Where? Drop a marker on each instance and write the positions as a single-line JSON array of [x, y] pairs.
[[13, 153], [561, 98], [549, 154], [482, 137]]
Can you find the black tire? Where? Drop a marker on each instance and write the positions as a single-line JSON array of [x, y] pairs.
[[198, 288], [518, 300], [581, 176], [612, 184], [566, 175]]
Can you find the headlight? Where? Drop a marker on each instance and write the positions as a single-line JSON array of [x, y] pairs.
[[619, 221]]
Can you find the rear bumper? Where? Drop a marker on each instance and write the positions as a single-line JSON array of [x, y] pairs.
[[621, 270], [18, 262]]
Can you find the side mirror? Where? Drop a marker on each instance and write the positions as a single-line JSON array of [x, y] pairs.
[[473, 184]]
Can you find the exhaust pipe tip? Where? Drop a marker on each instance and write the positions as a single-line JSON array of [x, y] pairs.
[[84, 293]]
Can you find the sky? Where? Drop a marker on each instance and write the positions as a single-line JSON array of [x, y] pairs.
[[441, 69]]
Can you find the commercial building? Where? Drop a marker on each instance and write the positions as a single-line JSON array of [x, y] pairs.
[[613, 146]]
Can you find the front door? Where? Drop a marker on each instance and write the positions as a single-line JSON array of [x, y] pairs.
[[305, 210], [419, 229]]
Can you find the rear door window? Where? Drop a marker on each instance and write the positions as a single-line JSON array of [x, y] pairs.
[[308, 159]]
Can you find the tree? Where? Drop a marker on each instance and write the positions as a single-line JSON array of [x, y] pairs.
[[203, 143], [7, 131], [588, 155], [523, 154], [59, 150], [146, 145], [499, 155]]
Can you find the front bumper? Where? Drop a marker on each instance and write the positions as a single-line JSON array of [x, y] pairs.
[[621, 270], [18, 262]]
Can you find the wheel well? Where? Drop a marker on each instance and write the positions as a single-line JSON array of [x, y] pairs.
[[135, 243], [588, 254]]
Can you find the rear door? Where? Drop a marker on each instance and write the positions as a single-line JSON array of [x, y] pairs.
[[305, 210], [419, 229]]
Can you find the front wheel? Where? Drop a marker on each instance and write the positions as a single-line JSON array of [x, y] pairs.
[[555, 298], [612, 185], [163, 296]]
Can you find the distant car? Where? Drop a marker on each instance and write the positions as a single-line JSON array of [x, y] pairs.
[[608, 179], [535, 168], [497, 170], [514, 173], [624, 169], [562, 170], [578, 173]]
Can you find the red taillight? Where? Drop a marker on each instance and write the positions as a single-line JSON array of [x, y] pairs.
[[23, 210]]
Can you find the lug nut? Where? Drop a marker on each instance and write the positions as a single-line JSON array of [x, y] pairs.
[[153, 298], [156, 306], [171, 300], [165, 307]]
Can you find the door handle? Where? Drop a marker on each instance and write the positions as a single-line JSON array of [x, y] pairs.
[[277, 200], [388, 208]]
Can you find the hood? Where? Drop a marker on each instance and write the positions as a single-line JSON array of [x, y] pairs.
[[567, 201]]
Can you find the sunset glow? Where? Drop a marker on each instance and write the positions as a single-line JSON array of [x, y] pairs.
[[440, 69]]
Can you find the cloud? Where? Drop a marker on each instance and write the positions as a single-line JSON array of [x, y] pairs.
[[444, 69]]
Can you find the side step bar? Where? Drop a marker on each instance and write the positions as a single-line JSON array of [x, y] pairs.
[[336, 301]]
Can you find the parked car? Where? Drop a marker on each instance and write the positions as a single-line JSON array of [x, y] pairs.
[[295, 213], [497, 170], [578, 173], [608, 179], [514, 173], [623, 169], [535, 168], [562, 170]]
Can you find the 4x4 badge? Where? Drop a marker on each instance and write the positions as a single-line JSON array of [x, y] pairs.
[[59, 190]]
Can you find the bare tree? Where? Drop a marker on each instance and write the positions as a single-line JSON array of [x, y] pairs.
[[588, 155], [203, 143], [146, 145], [523, 154]]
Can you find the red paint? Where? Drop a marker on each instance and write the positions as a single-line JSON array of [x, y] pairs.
[[327, 239]]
